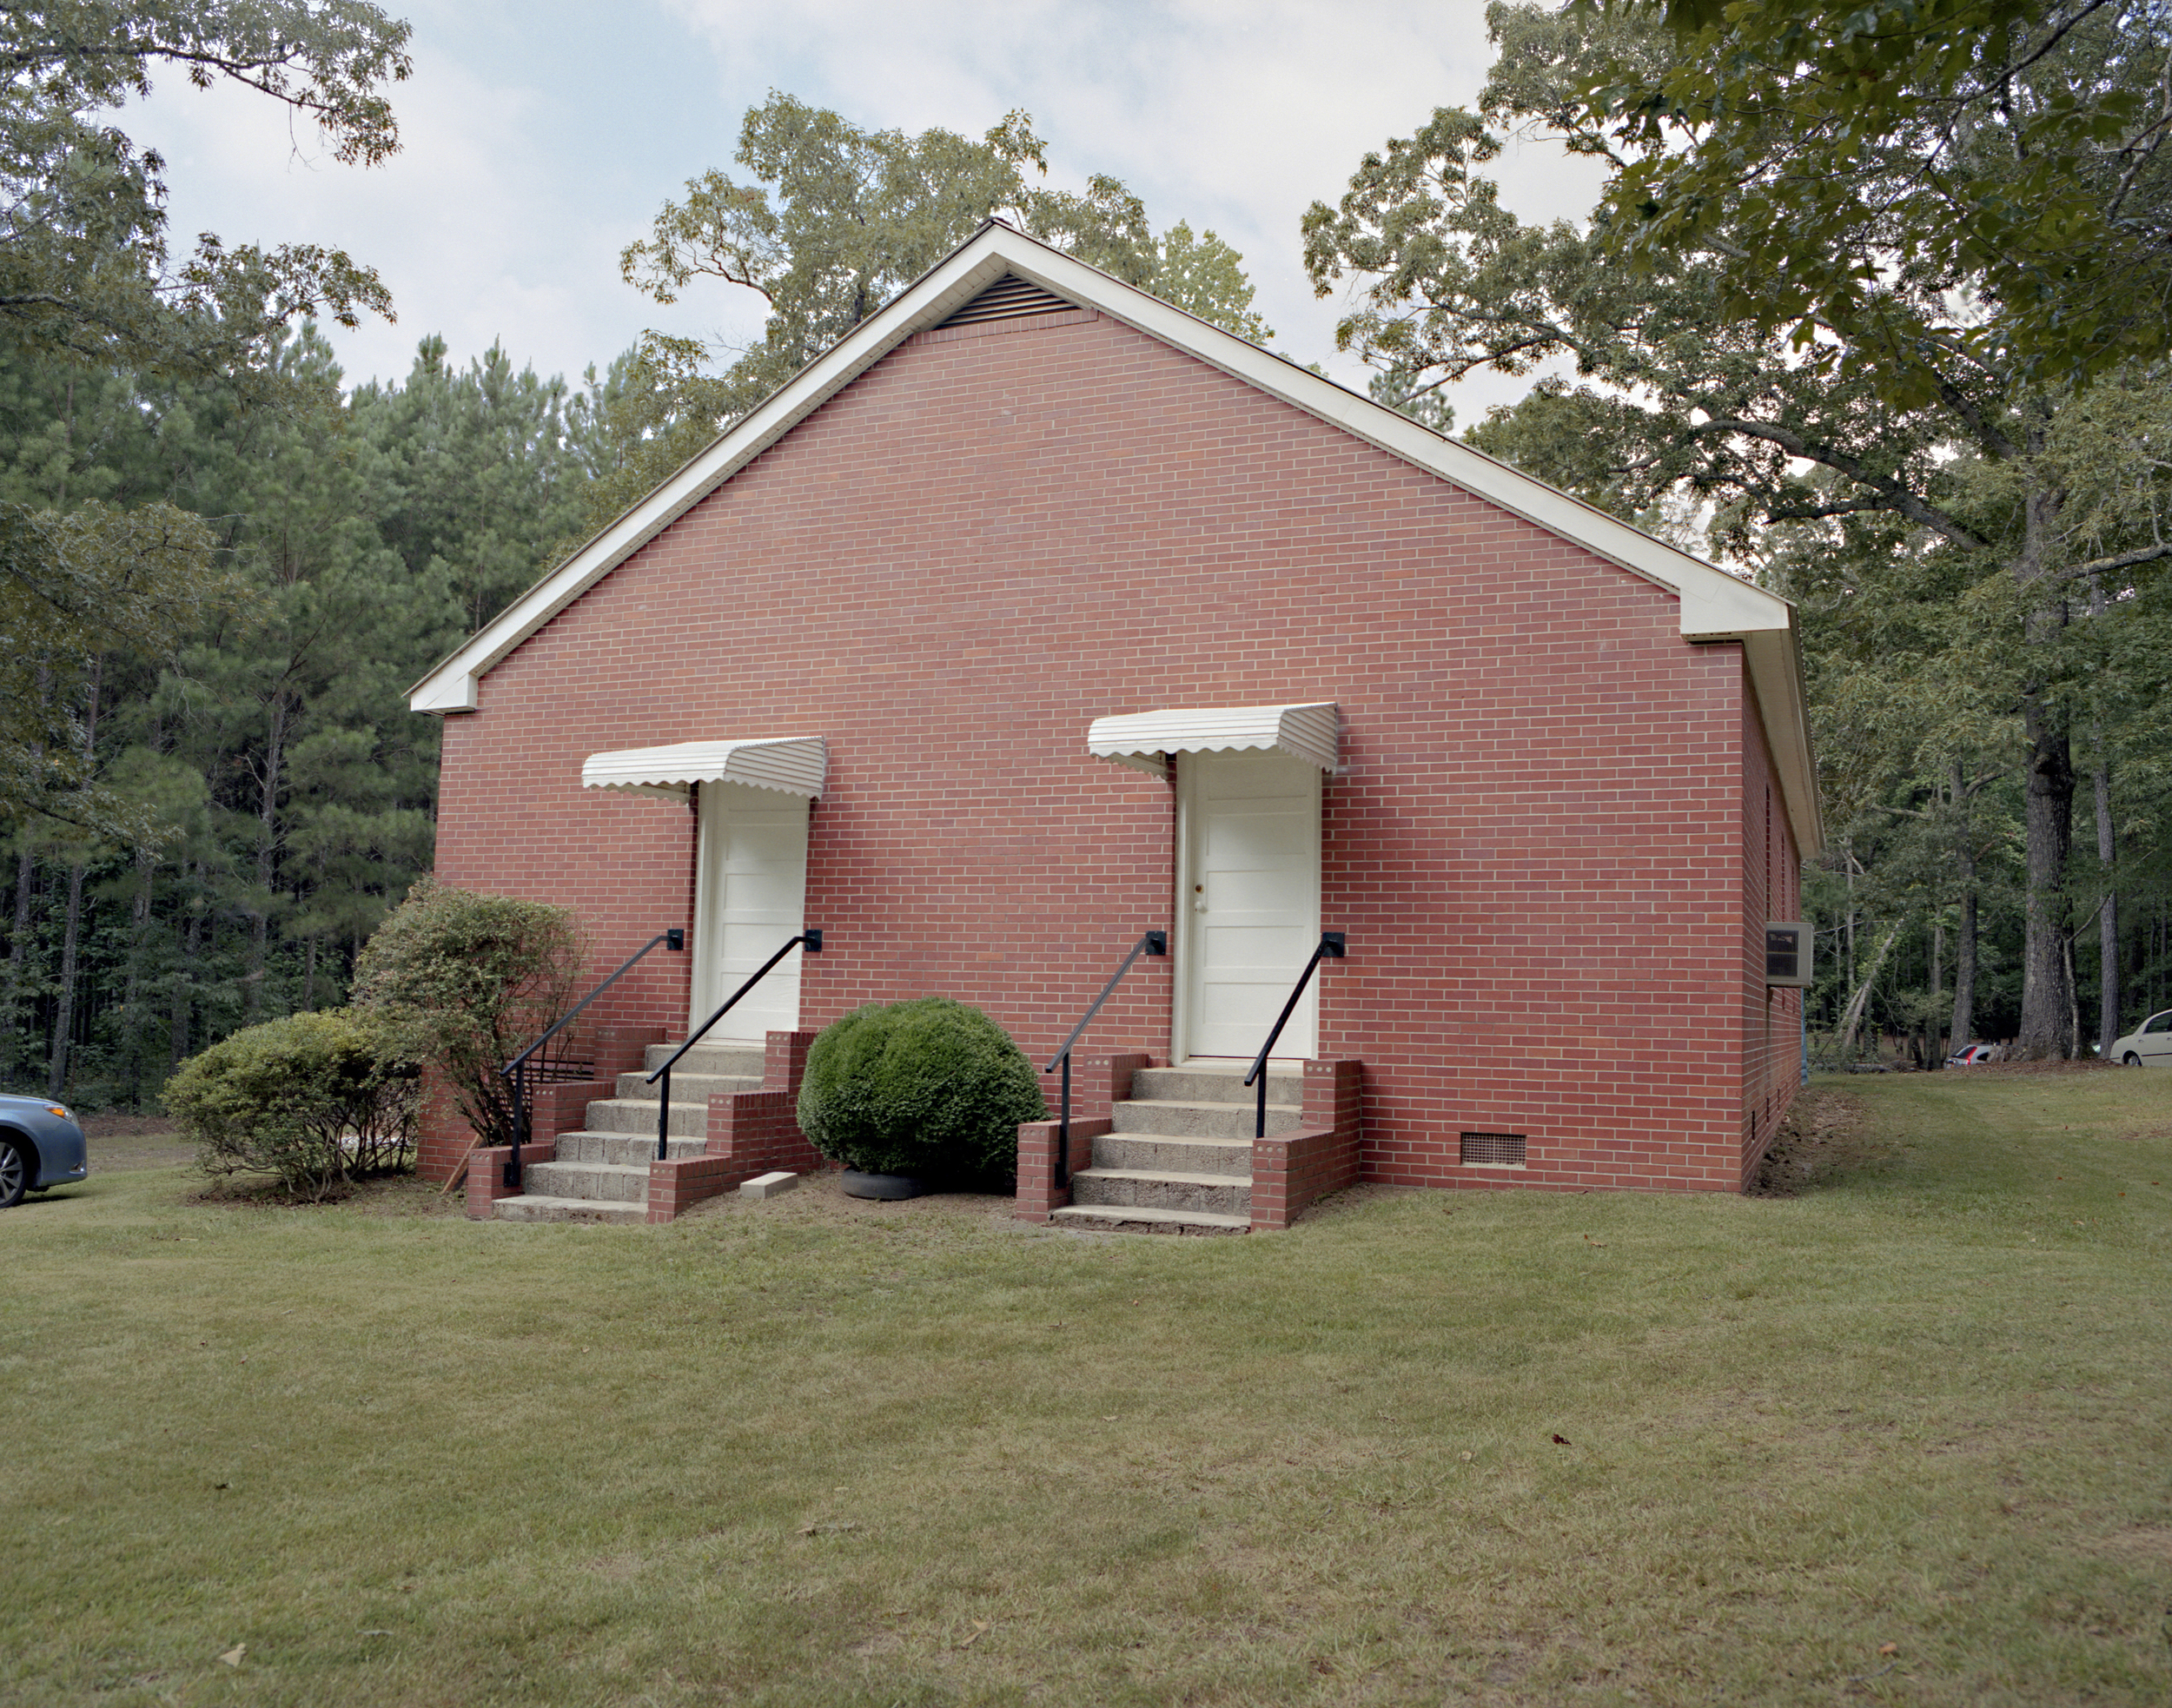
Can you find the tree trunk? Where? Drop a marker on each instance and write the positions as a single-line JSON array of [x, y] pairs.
[[64, 1005], [2107, 918], [25, 874], [1931, 1028], [2046, 991], [1963, 1026], [183, 987], [18, 952], [132, 1000], [2047, 987], [267, 847], [71, 930], [1853, 1019]]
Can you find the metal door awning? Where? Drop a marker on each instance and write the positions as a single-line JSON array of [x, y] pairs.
[[792, 764], [1141, 739]]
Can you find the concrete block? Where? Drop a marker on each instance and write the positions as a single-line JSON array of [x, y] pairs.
[[768, 1185]]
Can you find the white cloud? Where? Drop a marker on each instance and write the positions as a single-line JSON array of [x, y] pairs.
[[539, 140]]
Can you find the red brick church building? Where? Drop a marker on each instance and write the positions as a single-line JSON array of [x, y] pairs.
[[1038, 614]]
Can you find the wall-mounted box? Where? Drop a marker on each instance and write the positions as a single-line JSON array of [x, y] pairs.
[[1787, 943]]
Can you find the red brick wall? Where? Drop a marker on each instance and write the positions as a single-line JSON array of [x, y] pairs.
[[990, 540]]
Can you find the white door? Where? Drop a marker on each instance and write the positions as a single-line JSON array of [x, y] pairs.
[[1248, 906], [750, 899]]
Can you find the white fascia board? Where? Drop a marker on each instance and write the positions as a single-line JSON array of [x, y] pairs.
[[1775, 666]]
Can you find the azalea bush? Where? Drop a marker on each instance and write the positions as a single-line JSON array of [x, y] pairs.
[[930, 1088], [314, 1101]]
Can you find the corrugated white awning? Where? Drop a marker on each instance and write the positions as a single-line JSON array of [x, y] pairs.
[[1140, 739], [795, 764]]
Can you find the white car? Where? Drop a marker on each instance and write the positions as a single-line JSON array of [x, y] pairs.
[[1970, 1055], [2150, 1045]]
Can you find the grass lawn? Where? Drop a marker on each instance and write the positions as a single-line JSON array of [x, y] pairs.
[[1906, 1436]]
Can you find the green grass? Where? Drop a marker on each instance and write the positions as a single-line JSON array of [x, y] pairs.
[[813, 1454]]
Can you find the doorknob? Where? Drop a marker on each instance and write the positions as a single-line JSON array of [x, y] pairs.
[[1199, 898]]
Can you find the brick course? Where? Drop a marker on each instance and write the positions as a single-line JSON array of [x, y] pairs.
[[1545, 841]]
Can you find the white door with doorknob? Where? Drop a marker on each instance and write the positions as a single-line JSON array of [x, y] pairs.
[[1249, 902], [750, 899]]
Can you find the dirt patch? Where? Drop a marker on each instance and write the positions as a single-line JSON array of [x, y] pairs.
[[820, 1197], [1826, 1136], [392, 1195], [2145, 1545]]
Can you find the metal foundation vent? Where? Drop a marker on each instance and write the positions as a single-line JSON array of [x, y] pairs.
[[1496, 1148], [1009, 298]]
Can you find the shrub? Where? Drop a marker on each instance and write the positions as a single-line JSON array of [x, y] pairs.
[[316, 1099], [465, 980], [929, 1088]]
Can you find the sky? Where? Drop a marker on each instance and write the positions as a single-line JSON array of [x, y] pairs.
[[540, 138]]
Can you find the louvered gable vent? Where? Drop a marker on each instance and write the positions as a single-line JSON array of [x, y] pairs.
[[1009, 298]]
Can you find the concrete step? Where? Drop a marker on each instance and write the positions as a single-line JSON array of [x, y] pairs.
[[1187, 1155], [1163, 1190], [536, 1207], [686, 1088], [737, 1060], [1195, 1084], [1201, 1120], [630, 1150], [616, 1183], [630, 1114], [1112, 1219]]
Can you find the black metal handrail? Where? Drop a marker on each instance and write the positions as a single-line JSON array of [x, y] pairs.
[[1332, 946], [813, 940], [517, 1069], [1154, 942]]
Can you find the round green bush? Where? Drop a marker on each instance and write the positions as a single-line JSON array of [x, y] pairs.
[[929, 1088]]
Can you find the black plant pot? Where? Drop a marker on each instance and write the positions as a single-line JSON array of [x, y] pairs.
[[858, 1185]]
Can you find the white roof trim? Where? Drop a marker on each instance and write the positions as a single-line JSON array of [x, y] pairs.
[[1140, 739], [1715, 605], [791, 765]]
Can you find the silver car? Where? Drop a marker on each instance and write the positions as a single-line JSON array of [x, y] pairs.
[[40, 1146], [2150, 1045]]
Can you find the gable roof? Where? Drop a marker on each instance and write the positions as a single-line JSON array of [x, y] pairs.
[[1714, 605]]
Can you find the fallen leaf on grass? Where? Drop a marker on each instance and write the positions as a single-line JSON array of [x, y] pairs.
[[1589, 1241], [1889, 1648], [981, 1628], [1562, 1441], [232, 1656], [829, 1529]]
